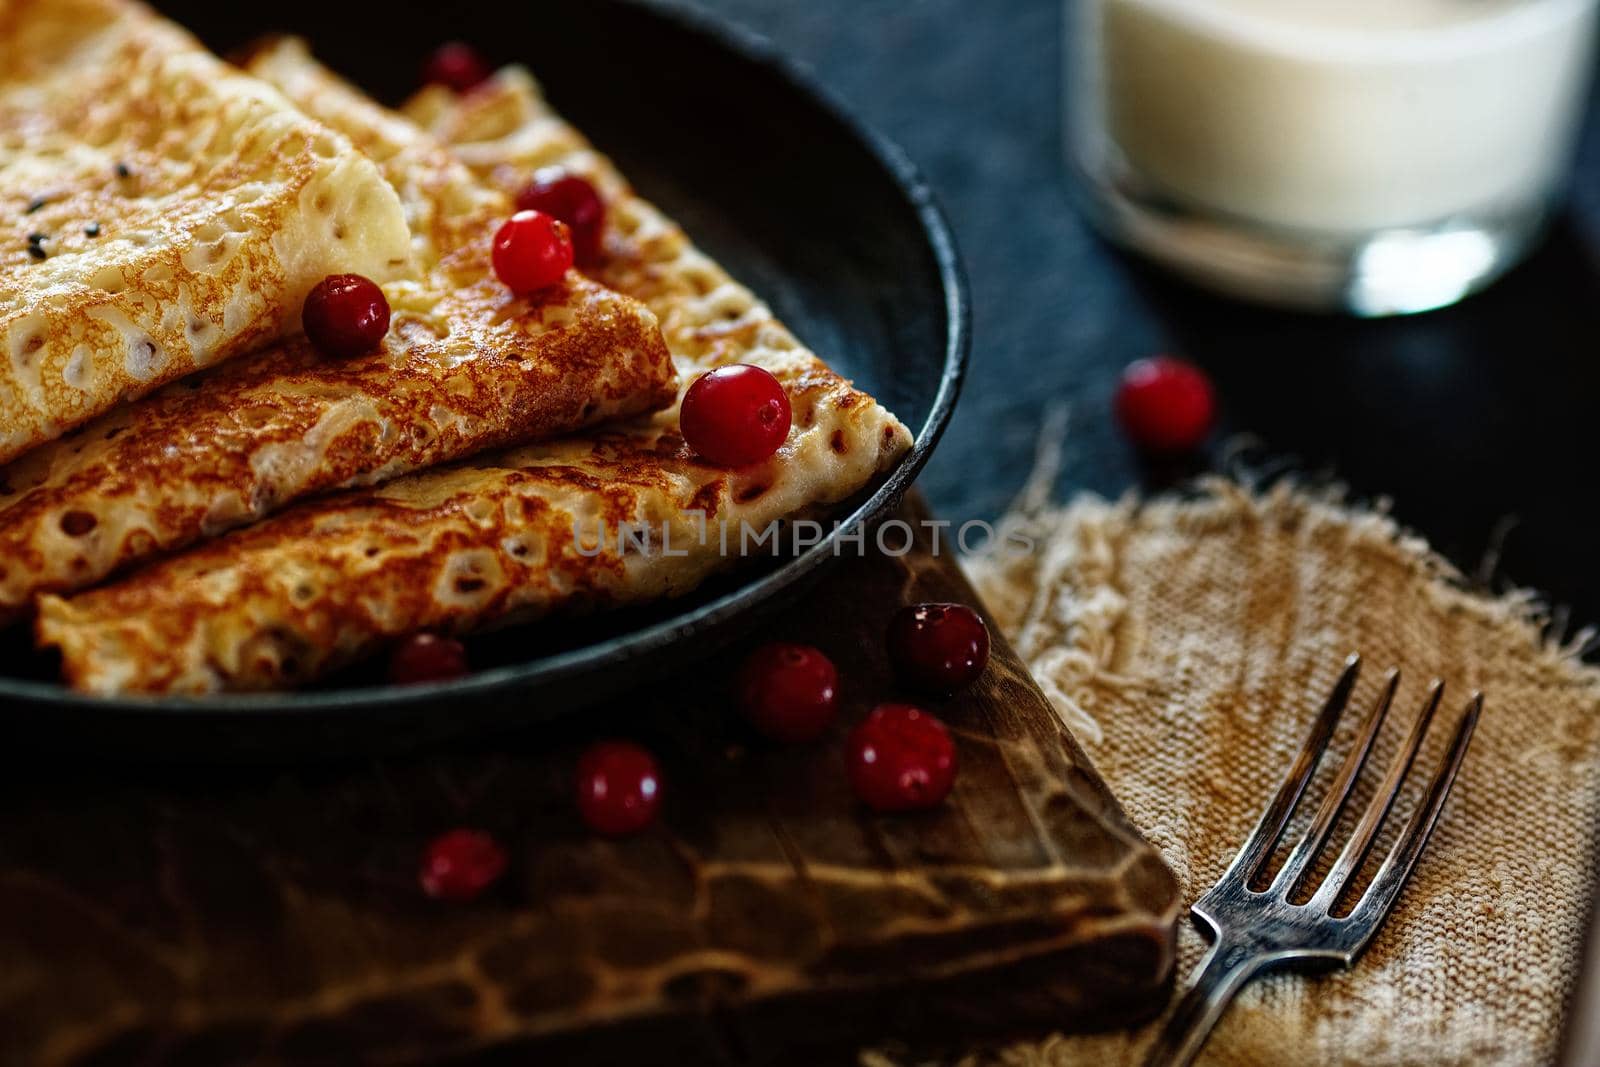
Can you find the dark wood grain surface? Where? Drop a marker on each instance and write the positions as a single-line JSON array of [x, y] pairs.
[[194, 916]]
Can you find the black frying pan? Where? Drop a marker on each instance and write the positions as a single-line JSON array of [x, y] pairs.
[[821, 217]]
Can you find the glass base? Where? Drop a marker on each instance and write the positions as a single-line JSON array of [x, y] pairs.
[[1387, 272]]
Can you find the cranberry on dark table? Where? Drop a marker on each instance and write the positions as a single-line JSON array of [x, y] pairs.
[[345, 315], [789, 692], [457, 66], [618, 788], [427, 658], [461, 864], [572, 200], [1165, 405], [938, 648], [736, 415], [900, 758], [532, 251]]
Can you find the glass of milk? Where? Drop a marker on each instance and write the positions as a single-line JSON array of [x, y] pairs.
[[1372, 156]]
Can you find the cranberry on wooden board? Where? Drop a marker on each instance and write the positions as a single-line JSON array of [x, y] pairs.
[[573, 201], [619, 788], [938, 648], [427, 658], [1165, 405], [345, 315], [461, 864], [736, 415], [457, 66], [532, 251], [789, 692], [900, 758]]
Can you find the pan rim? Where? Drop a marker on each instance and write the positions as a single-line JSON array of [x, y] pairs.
[[653, 637]]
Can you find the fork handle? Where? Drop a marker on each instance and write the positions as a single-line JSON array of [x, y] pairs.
[[1224, 971]]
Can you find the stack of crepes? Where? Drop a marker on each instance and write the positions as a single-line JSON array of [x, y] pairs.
[[194, 500]]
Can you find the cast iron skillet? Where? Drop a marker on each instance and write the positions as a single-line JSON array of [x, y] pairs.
[[824, 219]]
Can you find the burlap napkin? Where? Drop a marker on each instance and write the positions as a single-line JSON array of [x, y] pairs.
[[1188, 644]]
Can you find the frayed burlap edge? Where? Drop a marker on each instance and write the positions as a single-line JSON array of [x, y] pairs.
[[1071, 546], [1062, 603]]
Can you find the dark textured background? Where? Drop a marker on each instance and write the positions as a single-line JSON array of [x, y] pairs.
[[1471, 419], [1464, 417]]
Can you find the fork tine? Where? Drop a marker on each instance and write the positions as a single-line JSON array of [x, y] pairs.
[[1380, 896], [1366, 831], [1316, 835], [1262, 839]]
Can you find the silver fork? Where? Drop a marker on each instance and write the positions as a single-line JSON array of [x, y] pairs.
[[1254, 931]]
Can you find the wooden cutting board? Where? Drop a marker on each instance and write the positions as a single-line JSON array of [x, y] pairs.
[[158, 915]]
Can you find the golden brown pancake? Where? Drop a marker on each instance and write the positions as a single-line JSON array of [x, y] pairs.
[[508, 537], [159, 212], [466, 367]]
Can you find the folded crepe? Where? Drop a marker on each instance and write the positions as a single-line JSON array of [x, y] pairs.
[[466, 367], [509, 537], [159, 212]]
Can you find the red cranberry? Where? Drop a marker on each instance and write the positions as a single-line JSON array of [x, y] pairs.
[[938, 648], [789, 692], [345, 315], [461, 864], [735, 416], [900, 758], [1165, 404], [427, 658], [573, 201], [532, 251], [619, 788], [456, 66]]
